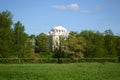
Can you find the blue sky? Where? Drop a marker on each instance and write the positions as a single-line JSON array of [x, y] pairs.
[[76, 15]]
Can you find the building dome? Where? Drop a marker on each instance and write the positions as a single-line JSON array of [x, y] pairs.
[[59, 28]]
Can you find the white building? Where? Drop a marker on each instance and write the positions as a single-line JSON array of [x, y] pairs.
[[55, 34]]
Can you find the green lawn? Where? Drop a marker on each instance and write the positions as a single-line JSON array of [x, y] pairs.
[[72, 71]]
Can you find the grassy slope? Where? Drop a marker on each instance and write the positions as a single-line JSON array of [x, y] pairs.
[[73, 71]]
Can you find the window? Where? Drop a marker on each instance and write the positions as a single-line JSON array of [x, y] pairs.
[[56, 30]]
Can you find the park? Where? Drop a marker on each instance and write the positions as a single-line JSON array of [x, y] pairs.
[[87, 49]]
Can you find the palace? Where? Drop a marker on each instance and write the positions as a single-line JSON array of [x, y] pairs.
[[55, 35]]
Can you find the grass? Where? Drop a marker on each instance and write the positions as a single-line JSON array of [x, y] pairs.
[[72, 71]]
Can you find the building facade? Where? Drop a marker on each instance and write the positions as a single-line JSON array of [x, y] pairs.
[[55, 35]]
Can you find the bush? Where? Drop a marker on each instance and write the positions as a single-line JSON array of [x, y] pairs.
[[45, 55], [55, 60]]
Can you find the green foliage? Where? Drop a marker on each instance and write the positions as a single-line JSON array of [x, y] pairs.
[[110, 44], [5, 19], [117, 40], [22, 45], [42, 43], [93, 45], [74, 71], [47, 59], [99, 45], [45, 54], [5, 34], [75, 45], [14, 42]]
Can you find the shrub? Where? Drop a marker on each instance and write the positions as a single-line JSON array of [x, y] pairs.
[[55, 60], [45, 55]]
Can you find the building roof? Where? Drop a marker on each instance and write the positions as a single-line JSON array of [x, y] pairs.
[[59, 28]]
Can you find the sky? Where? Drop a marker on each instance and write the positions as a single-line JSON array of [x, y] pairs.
[[75, 15]]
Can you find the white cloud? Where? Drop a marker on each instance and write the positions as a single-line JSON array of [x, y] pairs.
[[74, 7], [61, 7]]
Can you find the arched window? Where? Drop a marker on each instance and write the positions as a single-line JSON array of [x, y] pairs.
[[56, 30], [59, 31]]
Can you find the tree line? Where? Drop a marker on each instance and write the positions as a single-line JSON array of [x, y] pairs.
[[15, 43], [93, 44]]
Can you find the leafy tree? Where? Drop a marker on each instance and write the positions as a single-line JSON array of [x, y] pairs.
[[89, 36], [118, 45], [75, 45], [5, 34], [95, 43], [42, 43], [22, 45], [110, 44]]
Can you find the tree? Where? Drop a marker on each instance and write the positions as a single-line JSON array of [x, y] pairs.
[[5, 34], [22, 45], [75, 45], [110, 43], [118, 46], [95, 43], [42, 43]]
